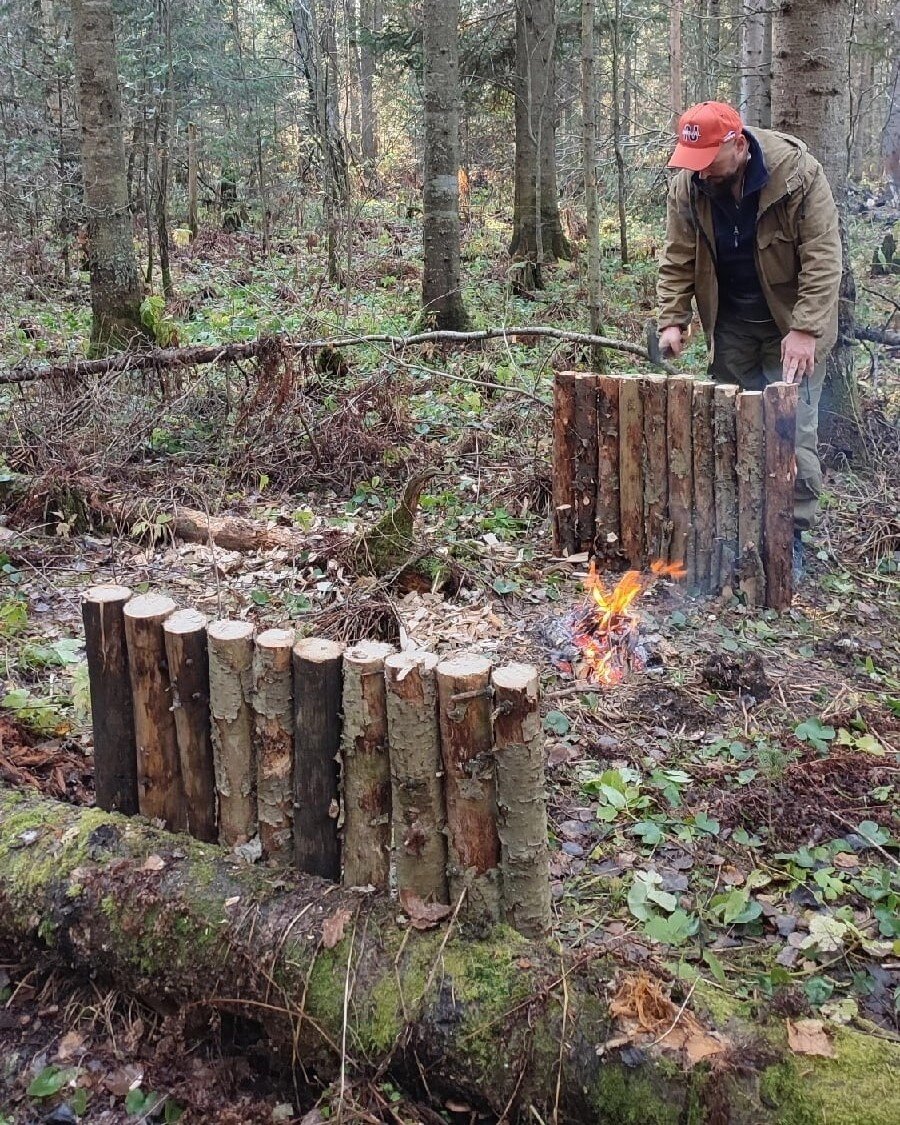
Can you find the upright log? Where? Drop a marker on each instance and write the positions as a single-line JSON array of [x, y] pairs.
[[780, 411], [417, 792], [230, 686], [367, 771], [112, 719], [656, 467], [273, 727], [185, 638], [464, 695], [725, 431], [565, 533], [607, 531], [704, 460], [160, 791], [751, 470], [585, 491], [317, 741], [681, 473], [631, 471], [521, 798]]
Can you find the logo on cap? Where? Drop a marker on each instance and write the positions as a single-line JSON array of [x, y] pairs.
[[691, 133]]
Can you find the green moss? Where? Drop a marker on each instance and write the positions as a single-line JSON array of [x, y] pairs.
[[624, 1096], [720, 1006], [860, 1086]]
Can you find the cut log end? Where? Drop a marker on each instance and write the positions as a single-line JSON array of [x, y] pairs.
[[516, 677], [185, 621], [107, 595], [367, 655], [150, 607], [464, 666], [229, 630], [275, 639], [317, 650]]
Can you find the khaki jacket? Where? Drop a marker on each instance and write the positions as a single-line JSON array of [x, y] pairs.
[[798, 247]]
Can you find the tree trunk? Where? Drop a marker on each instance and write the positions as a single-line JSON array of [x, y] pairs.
[[811, 99], [712, 31], [115, 283], [890, 140], [676, 67], [589, 168], [442, 303], [370, 22], [353, 67], [756, 63], [165, 123], [621, 177], [537, 234], [193, 221]]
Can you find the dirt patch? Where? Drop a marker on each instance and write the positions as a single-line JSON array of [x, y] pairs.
[[814, 800], [59, 768]]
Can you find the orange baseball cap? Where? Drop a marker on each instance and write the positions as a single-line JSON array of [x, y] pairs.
[[702, 130]]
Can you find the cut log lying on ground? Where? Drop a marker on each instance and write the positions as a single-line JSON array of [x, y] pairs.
[[503, 1023]]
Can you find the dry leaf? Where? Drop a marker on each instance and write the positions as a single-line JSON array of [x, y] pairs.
[[333, 927], [808, 1037], [120, 1081], [845, 860], [70, 1044], [702, 1046], [153, 863], [423, 915]]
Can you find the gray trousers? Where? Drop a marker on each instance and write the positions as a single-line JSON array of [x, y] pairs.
[[749, 354]]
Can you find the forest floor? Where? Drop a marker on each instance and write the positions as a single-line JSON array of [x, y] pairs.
[[727, 816]]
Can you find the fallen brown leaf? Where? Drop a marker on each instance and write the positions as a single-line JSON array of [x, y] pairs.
[[153, 863], [423, 915], [69, 1046], [333, 927], [702, 1046], [809, 1037]]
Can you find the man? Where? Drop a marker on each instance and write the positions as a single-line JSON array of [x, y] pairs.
[[752, 236]]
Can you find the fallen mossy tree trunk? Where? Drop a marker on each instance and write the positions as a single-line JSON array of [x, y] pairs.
[[505, 1023]]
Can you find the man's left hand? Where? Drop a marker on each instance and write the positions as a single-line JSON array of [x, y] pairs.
[[798, 355]]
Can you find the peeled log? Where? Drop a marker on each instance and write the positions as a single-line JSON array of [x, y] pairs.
[[230, 687], [185, 637], [417, 793], [160, 791], [522, 798], [273, 726], [464, 692], [367, 772], [681, 473], [488, 1022], [780, 412], [115, 752]]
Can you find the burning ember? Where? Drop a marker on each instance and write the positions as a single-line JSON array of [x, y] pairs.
[[606, 631]]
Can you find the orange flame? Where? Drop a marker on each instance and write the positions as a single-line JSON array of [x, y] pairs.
[[609, 641]]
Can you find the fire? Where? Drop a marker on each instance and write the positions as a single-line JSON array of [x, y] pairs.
[[608, 628]]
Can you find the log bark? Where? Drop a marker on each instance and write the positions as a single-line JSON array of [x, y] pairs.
[[565, 533], [725, 433], [160, 791], [780, 412], [751, 468], [631, 472], [521, 798], [273, 727], [656, 467], [317, 741], [230, 687], [112, 718], [681, 474], [704, 483], [585, 491], [466, 747], [608, 533], [480, 1021], [417, 792], [186, 651], [367, 771]]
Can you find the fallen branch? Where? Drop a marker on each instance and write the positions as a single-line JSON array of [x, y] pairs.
[[877, 335], [185, 924], [194, 356]]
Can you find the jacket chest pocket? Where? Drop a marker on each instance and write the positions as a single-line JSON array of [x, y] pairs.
[[778, 257]]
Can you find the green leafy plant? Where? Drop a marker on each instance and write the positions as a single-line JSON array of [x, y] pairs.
[[51, 1080]]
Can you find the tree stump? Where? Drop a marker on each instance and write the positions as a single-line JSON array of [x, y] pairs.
[[230, 686], [607, 540], [367, 771], [780, 412], [656, 467], [521, 798], [186, 650], [273, 726], [751, 475], [417, 794], [631, 472], [112, 718], [704, 458], [160, 791], [317, 741], [681, 474], [466, 746]]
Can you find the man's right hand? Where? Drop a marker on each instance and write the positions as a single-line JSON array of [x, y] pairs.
[[671, 340]]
